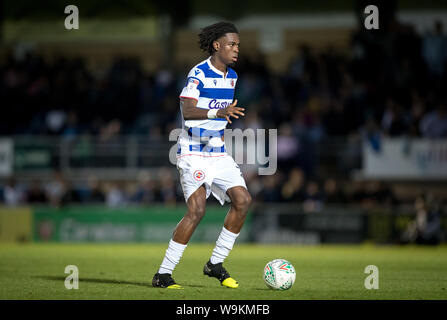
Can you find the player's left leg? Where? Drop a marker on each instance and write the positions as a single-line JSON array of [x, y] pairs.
[[240, 203]]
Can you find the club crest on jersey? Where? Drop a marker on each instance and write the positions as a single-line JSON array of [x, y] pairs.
[[199, 175]]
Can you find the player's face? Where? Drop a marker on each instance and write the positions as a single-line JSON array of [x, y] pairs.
[[228, 49]]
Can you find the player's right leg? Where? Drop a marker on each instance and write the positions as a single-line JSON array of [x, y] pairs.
[[182, 234], [196, 205]]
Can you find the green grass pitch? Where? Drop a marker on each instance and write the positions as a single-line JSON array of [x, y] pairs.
[[124, 271]]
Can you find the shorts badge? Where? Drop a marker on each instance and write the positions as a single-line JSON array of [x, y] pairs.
[[199, 175]]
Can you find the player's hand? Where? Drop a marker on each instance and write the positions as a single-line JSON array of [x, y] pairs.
[[231, 111]]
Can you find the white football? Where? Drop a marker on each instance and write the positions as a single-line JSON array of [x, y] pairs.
[[279, 274]]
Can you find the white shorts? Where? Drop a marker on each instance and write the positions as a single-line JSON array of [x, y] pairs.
[[217, 173]]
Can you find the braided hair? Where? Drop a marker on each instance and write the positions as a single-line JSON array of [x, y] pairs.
[[212, 33]]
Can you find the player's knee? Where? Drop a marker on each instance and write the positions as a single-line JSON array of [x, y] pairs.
[[242, 203], [196, 210]]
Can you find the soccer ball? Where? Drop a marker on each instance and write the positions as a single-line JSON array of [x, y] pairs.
[[279, 274]]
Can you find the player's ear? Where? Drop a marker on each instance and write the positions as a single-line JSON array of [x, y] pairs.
[[216, 45]]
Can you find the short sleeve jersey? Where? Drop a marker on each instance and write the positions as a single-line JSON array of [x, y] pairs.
[[212, 89]]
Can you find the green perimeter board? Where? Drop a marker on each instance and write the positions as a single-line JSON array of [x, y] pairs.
[[129, 224]]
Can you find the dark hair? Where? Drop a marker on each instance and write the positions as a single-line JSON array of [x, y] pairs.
[[212, 33]]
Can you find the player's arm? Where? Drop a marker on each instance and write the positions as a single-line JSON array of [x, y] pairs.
[[191, 112]]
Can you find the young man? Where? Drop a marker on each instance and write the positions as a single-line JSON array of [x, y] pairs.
[[206, 103]]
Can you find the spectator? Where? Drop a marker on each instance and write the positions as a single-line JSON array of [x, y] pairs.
[[115, 196], [36, 193], [426, 228], [434, 50], [270, 191], [313, 199], [55, 121], [434, 124], [71, 129], [417, 111], [332, 193], [395, 122], [13, 193], [287, 146], [167, 187], [94, 192], [293, 189], [358, 192], [146, 189], [71, 195], [377, 193], [372, 135], [384, 194], [56, 189]]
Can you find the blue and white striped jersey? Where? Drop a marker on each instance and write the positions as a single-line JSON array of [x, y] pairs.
[[213, 90]]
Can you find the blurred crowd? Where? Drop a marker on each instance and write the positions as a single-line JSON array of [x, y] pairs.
[[392, 82], [164, 187], [387, 84]]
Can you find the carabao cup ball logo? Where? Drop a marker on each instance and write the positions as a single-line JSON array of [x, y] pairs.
[[199, 175]]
